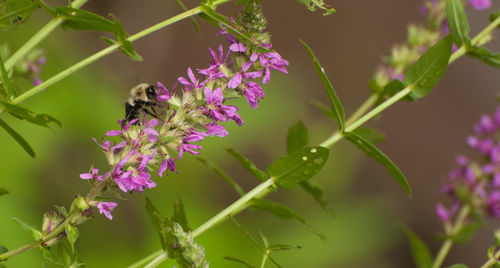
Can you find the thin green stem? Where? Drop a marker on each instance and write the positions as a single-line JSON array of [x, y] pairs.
[[492, 261], [448, 243], [363, 108], [157, 261], [147, 259], [38, 37], [264, 259]]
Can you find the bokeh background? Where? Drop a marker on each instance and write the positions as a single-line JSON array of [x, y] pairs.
[[423, 138]]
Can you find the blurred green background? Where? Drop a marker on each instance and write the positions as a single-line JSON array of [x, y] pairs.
[[422, 138]]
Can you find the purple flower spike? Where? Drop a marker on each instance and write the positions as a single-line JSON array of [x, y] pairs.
[[442, 213], [106, 208], [272, 60], [238, 47], [167, 164], [494, 204], [216, 130], [480, 4], [163, 93], [253, 93], [192, 84]]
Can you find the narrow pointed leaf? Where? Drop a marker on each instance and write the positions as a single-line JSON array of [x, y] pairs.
[[72, 235], [299, 166], [122, 37], [370, 134], [159, 222], [18, 138], [423, 75], [180, 215], [297, 137], [7, 84], [317, 194], [372, 151], [484, 55], [212, 166], [15, 12], [495, 15], [233, 259], [324, 108], [193, 19], [248, 164], [457, 22], [79, 19], [337, 108], [25, 114], [34, 232], [280, 247], [419, 250], [395, 86], [467, 232], [282, 211]]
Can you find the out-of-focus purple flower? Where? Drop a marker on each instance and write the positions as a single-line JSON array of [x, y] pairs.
[[494, 204], [480, 4], [216, 130], [106, 208], [443, 213]]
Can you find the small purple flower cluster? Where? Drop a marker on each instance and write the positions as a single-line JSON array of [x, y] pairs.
[[190, 118], [476, 183], [420, 38]]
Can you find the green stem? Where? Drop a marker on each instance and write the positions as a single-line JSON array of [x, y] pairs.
[[147, 259], [362, 109], [38, 37], [448, 243], [264, 259], [263, 189], [492, 261], [157, 261]]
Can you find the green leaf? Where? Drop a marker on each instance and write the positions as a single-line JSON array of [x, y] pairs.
[[122, 37], [459, 265], [15, 12], [317, 193], [34, 232], [297, 137], [457, 22], [299, 166], [337, 108], [282, 211], [313, 4], [372, 151], [180, 215], [78, 19], [484, 55], [467, 232], [9, 88], [422, 76], [324, 108], [3, 249], [18, 138], [212, 166], [72, 235], [25, 114], [195, 22], [370, 134], [395, 86], [233, 259], [495, 15], [280, 247], [248, 164], [160, 222], [3, 191], [419, 250]]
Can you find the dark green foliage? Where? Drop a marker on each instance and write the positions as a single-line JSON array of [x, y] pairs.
[[78, 19], [467, 232], [457, 22], [395, 86], [299, 166], [283, 211], [373, 152], [122, 37], [248, 164], [212, 166], [419, 250], [370, 134], [15, 12], [297, 137], [180, 215], [337, 108], [484, 55], [422, 76], [18, 138], [25, 114], [3, 191]]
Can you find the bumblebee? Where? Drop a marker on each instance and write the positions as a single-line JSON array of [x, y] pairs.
[[142, 99]]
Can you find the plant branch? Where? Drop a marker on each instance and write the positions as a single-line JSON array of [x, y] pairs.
[[38, 37]]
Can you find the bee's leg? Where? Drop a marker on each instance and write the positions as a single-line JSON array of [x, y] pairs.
[[150, 113]]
